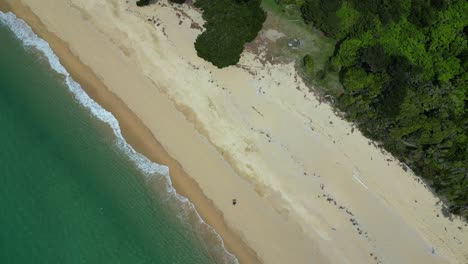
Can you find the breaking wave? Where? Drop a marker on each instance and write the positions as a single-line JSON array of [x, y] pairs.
[[30, 40]]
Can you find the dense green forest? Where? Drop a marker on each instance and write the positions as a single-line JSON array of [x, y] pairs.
[[229, 25], [403, 65]]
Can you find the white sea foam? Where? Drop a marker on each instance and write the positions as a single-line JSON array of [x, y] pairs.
[[30, 40]]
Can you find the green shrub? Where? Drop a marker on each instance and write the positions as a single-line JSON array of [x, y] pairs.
[[229, 25], [142, 2], [330, 67], [308, 64], [321, 74], [290, 2]]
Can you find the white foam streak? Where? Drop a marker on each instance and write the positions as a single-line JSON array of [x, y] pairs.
[[25, 34]]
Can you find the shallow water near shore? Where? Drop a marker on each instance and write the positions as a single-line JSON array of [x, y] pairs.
[[71, 189]]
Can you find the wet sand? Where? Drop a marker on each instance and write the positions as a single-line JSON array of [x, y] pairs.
[[136, 133], [310, 188]]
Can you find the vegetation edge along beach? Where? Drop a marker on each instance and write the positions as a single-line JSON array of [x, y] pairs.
[[402, 66]]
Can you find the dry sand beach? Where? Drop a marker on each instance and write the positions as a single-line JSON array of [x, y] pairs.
[[309, 187]]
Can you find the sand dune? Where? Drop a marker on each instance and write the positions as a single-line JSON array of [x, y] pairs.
[[310, 187]]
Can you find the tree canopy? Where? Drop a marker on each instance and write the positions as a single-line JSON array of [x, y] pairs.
[[229, 25], [142, 2], [403, 65]]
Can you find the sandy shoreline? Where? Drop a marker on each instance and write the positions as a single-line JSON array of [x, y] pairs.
[[310, 188], [136, 133]]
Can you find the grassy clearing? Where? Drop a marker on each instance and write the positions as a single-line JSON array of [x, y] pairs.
[[287, 19]]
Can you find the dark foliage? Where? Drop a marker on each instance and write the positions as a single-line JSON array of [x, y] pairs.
[[322, 13], [375, 59], [229, 25], [142, 2], [404, 67], [421, 14]]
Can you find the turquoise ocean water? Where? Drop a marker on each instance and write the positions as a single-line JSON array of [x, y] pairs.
[[71, 189]]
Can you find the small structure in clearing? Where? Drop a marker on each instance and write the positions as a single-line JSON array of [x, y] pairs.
[[295, 43]]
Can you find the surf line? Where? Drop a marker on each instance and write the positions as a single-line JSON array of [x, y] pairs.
[[29, 39]]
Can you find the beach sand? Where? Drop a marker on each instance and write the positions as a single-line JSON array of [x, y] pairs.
[[310, 188], [136, 133]]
